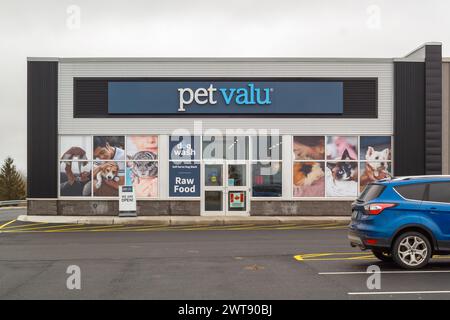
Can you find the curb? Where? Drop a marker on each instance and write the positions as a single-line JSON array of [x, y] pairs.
[[186, 220]]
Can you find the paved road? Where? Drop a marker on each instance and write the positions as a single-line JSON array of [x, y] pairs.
[[7, 214], [192, 262]]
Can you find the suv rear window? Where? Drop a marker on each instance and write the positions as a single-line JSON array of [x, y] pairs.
[[412, 191], [371, 192], [439, 192]]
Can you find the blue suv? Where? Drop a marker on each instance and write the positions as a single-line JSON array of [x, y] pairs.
[[406, 220]]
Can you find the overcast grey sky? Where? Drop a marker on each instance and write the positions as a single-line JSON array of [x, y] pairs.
[[171, 28]]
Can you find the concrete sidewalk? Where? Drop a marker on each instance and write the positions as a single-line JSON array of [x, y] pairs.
[[185, 220]]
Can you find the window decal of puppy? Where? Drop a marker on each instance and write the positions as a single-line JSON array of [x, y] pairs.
[[106, 171], [377, 160]]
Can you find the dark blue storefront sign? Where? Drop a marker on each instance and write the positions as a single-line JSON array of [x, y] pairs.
[[184, 179], [225, 97]]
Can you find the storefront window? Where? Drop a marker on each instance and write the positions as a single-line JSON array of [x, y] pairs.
[[309, 148], [342, 166], [308, 176], [142, 165], [267, 147], [267, 179], [376, 158], [309, 179], [75, 148], [341, 172], [108, 171], [184, 171], [229, 148], [75, 166], [109, 148], [323, 166], [98, 165], [213, 148], [107, 177], [184, 148], [75, 179], [341, 179]]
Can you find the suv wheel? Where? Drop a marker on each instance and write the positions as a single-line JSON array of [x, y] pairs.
[[382, 255], [412, 250]]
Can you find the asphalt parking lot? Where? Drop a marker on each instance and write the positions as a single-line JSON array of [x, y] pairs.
[[201, 262]]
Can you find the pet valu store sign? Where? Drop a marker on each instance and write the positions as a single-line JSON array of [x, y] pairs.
[[225, 97]]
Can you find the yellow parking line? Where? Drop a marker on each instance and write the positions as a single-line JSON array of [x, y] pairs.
[[175, 228], [311, 226], [342, 259], [330, 256], [369, 256], [280, 225], [441, 257], [25, 225], [212, 227], [45, 227], [245, 227], [276, 226], [35, 227], [124, 227], [4, 225], [134, 228], [345, 256], [301, 257], [191, 226], [83, 228], [334, 228]]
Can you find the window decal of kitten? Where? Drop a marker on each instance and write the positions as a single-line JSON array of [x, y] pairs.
[[143, 165]]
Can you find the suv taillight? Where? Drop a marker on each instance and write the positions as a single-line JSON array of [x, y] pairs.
[[377, 208]]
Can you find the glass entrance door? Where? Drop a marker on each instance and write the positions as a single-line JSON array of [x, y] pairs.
[[213, 189], [225, 188], [237, 187]]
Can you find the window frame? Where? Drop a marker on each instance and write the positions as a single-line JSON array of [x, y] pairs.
[[358, 161], [92, 162]]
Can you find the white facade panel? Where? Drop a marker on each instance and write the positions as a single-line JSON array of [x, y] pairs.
[[70, 68]]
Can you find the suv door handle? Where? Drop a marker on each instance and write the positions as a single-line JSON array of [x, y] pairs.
[[433, 210]]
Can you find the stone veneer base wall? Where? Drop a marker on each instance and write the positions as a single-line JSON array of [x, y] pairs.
[[184, 208]]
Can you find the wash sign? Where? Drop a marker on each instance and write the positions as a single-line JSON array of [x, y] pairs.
[[225, 97], [184, 179]]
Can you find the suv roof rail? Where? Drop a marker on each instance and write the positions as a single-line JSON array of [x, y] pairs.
[[422, 177]]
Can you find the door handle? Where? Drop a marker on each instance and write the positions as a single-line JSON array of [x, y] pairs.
[[433, 210]]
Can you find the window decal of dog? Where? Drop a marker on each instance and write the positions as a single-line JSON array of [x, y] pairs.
[[377, 160], [106, 171], [376, 167]]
